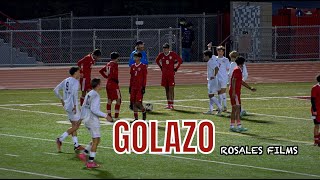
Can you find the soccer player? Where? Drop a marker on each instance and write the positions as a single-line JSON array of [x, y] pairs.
[[140, 49], [315, 110], [224, 66], [90, 113], [166, 61], [235, 92], [233, 55], [138, 82], [212, 71], [69, 101], [110, 72], [85, 65]]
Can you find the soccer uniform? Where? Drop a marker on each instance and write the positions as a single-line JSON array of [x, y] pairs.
[[244, 71], [138, 80], [85, 65], [213, 87], [224, 66], [110, 72], [167, 63], [315, 93], [70, 87], [90, 113], [144, 59], [237, 73]]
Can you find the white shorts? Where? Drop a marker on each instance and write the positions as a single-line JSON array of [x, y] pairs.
[[222, 83], [213, 87], [94, 131], [74, 117]]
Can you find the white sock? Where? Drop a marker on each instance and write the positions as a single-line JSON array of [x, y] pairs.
[[63, 136], [221, 99], [75, 141], [216, 101], [224, 99], [211, 104], [88, 148], [92, 156]]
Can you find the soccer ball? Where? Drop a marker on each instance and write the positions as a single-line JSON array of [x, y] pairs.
[[243, 113], [148, 107]]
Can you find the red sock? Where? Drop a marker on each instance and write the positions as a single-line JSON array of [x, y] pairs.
[[135, 115], [232, 122], [109, 109], [316, 139], [116, 110], [81, 100]]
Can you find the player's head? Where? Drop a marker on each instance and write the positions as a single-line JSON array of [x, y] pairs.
[[137, 57], [318, 78], [140, 45], [96, 84], [220, 50], [75, 72], [114, 56], [96, 54], [207, 54], [240, 61], [166, 48], [233, 55]]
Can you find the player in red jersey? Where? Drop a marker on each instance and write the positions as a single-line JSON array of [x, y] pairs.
[[235, 92], [110, 72], [166, 61], [315, 110], [138, 82], [85, 65]]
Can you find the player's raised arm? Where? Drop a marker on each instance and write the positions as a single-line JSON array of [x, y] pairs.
[[102, 71]]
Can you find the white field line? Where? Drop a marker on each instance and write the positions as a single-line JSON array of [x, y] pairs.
[[55, 154], [32, 173], [12, 155], [185, 158]]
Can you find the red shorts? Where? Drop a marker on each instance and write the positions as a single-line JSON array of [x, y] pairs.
[[85, 84], [235, 101], [136, 95], [167, 80], [113, 93]]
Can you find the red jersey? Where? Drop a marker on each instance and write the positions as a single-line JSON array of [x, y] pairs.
[[138, 74], [85, 65], [237, 73], [110, 72], [167, 62], [315, 93]]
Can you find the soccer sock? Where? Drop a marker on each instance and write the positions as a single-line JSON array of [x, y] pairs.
[[75, 141], [135, 115], [144, 115], [63, 136], [88, 148], [316, 139], [232, 122], [224, 99], [220, 99], [92, 156], [109, 109], [216, 101], [211, 104], [239, 123], [81, 100], [116, 110]]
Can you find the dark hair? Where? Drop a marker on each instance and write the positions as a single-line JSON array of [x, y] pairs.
[[139, 42], [165, 45], [208, 53], [95, 82], [137, 54], [97, 52], [114, 55], [318, 78], [73, 70], [240, 60]]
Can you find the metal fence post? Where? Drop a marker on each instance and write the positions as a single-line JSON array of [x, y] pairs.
[[204, 31], [275, 42], [11, 50], [170, 37], [180, 41], [39, 39], [94, 37], [71, 35], [137, 37], [159, 40], [60, 39]]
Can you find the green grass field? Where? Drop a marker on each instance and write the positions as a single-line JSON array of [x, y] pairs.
[[31, 120]]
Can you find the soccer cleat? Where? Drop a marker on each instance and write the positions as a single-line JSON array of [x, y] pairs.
[[79, 148], [171, 107], [242, 129], [208, 112], [144, 115], [225, 109], [168, 107], [59, 144], [234, 129], [219, 112], [92, 165], [82, 157]]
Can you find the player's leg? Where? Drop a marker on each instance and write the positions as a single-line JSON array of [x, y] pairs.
[[109, 103], [133, 100], [316, 132], [143, 110], [166, 87], [118, 104], [232, 119], [237, 114], [223, 95], [73, 131], [94, 147], [82, 88], [171, 96], [86, 152]]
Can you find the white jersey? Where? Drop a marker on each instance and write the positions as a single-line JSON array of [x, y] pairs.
[[90, 111], [224, 66], [211, 66], [244, 71], [70, 87]]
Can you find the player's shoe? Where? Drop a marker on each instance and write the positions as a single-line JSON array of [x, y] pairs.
[[92, 165], [144, 115], [234, 129], [208, 112], [59, 144], [219, 113], [224, 109], [79, 148], [167, 107], [82, 157], [171, 107], [242, 129], [133, 121]]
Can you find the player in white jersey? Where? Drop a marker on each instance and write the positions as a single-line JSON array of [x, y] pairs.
[[233, 56], [213, 88], [70, 87], [90, 113], [223, 77]]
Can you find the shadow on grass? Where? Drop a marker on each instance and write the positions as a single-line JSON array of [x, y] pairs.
[[99, 173], [157, 113], [258, 121], [272, 138], [185, 111]]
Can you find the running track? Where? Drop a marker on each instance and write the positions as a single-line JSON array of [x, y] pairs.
[[195, 73]]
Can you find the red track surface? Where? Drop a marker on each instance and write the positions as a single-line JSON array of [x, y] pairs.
[[49, 77]]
